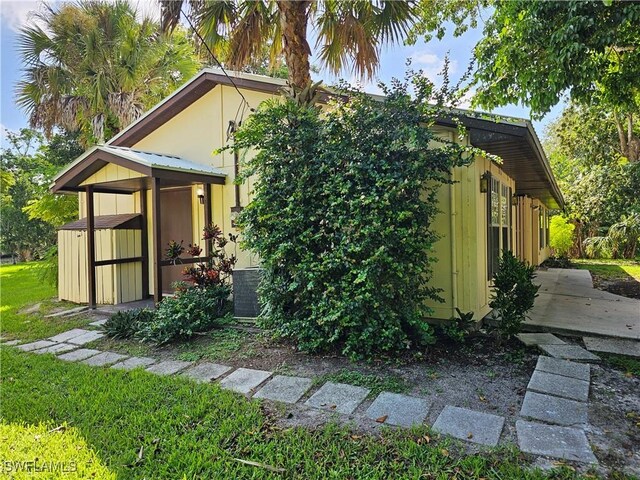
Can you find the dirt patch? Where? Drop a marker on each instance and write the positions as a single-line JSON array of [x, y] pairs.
[[614, 416], [626, 287]]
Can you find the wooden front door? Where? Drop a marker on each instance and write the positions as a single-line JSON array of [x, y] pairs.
[[176, 223]]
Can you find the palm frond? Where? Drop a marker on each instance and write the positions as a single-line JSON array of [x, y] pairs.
[[251, 33]]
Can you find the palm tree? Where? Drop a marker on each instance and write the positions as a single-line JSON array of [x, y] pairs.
[[94, 68], [347, 31]]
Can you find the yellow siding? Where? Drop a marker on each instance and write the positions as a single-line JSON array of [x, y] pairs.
[[114, 283], [195, 134], [111, 173]]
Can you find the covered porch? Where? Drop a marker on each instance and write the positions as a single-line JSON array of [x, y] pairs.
[[117, 258]]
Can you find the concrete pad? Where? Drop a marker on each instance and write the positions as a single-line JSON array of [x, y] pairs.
[[619, 346], [206, 372], [557, 366], [28, 347], [35, 308], [169, 367], [243, 380], [568, 303], [64, 313], [338, 397], [57, 348], [561, 411], [532, 339], [11, 343], [469, 425], [69, 334], [559, 386], [569, 352], [134, 362], [80, 354], [400, 410], [103, 359], [88, 337], [285, 389], [552, 441], [99, 323]]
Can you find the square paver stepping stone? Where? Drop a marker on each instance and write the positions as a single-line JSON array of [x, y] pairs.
[[553, 441], [566, 387], [477, 427], [28, 347], [557, 366], [57, 348], [103, 359], [282, 388], [99, 323], [570, 352], [206, 372], [532, 339], [619, 346], [69, 334], [243, 380], [169, 367], [88, 337], [10, 343], [549, 409], [338, 397], [400, 410], [80, 354], [134, 362]]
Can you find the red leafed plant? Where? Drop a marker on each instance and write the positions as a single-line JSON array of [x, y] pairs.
[[217, 269]]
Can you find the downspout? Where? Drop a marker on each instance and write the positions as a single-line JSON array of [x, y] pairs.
[[452, 233]]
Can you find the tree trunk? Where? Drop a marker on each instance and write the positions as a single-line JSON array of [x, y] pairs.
[[294, 16], [629, 141]]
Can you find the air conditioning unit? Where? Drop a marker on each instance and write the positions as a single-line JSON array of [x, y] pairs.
[[245, 292]]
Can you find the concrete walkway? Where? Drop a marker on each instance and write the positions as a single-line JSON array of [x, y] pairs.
[[568, 303]]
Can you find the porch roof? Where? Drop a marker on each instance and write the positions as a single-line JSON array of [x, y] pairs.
[[173, 170]]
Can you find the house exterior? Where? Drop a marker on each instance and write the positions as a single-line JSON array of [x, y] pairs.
[[159, 180]]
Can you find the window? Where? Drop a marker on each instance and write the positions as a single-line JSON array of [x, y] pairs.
[[547, 223], [499, 223], [541, 225]]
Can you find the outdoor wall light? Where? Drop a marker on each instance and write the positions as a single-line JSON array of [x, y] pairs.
[[514, 201], [200, 194], [484, 183]]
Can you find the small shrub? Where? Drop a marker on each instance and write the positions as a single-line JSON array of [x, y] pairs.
[[189, 312], [557, 262], [126, 323], [458, 329], [561, 235], [513, 294]]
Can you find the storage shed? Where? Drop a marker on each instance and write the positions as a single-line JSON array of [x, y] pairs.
[[118, 273]]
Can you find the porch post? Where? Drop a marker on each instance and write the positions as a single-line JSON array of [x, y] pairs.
[[144, 236], [207, 214], [91, 247], [157, 241]]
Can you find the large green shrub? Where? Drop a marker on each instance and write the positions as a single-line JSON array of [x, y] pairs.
[[514, 294], [191, 311], [344, 200], [561, 235]]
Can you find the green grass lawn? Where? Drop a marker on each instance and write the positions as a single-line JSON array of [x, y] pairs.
[[140, 425], [610, 269], [20, 286]]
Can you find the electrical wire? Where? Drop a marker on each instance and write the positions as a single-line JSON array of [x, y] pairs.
[[218, 62]]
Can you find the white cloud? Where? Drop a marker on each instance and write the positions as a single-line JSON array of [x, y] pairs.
[[15, 14], [3, 136], [432, 65]]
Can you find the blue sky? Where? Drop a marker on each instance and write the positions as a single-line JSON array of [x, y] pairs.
[[428, 57]]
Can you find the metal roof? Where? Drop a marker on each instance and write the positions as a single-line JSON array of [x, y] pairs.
[[131, 221]]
